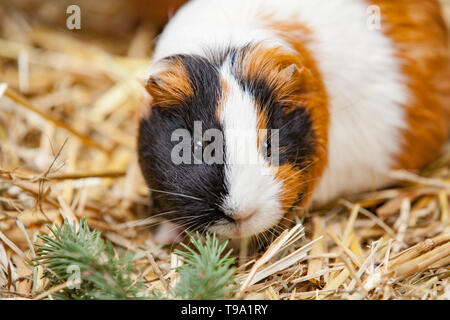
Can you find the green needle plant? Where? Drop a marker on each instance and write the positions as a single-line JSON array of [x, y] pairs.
[[88, 264], [206, 272], [87, 267]]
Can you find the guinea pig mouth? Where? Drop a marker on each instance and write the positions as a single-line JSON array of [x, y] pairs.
[[231, 229], [242, 228]]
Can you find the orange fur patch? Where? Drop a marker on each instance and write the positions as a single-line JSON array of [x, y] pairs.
[[420, 38], [294, 182], [170, 86], [261, 125], [224, 93], [298, 84]]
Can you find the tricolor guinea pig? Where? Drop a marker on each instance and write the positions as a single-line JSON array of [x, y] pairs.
[[257, 107]]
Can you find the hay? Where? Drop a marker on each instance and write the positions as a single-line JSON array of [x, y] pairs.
[[67, 126]]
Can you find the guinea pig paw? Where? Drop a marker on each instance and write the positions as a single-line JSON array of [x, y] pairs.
[[168, 233]]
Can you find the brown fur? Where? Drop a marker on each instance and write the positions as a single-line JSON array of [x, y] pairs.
[[419, 35], [302, 88], [294, 181], [170, 86], [224, 93], [260, 126]]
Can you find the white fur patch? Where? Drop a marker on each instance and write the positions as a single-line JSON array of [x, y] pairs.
[[366, 91], [253, 191], [362, 77]]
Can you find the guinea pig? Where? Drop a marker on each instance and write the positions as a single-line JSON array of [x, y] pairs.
[[350, 89]]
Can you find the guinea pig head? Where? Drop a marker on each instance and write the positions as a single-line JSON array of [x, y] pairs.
[[233, 140]]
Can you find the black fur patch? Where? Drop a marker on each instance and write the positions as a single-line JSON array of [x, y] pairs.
[[296, 137], [185, 182]]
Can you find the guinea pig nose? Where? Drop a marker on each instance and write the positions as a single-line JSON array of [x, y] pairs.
[[242, 216]]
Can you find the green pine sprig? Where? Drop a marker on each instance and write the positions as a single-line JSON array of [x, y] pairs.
[[207, 273], [95, 269]]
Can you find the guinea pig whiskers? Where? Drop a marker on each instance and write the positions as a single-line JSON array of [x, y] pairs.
[[192, 219], [175, 220], [157, 223], [276, 230], [287, 219], [279, 129], [194, 216], [187, 228], [259, 241], [165, 213], [203, 227], [301, 196], [176, 194], [256, 241], [267, 234], [188, 218], [262, 239], [301, 171]]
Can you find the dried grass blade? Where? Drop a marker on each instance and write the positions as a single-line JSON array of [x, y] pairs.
[[22, 101]]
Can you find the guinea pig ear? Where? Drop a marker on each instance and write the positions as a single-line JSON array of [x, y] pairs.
[[289, 82], [156, 87], [290, 72], [171, 86]]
